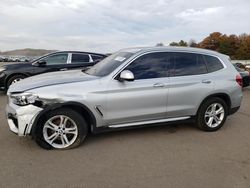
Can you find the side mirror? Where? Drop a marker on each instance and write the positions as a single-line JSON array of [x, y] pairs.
[[126, 75], [41, 63]]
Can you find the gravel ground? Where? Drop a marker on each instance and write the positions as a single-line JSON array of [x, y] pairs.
[[166, 156]]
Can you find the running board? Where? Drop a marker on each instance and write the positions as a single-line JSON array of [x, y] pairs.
[[148, 122]]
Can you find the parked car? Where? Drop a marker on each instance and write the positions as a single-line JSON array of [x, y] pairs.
[[131, 88], [3, 59], [14, 59], [58, 61], [245, 76], [24, 59]]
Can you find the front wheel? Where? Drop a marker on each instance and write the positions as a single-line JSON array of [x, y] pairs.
[[14, 79], [212, 114], [61, 129]]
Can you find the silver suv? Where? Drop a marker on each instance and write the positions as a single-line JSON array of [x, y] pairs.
[[131, 88]]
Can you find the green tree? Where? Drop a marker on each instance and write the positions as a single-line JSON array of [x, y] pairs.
[[174, 44], [181, 43]]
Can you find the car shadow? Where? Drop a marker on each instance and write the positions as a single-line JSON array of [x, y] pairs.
[[157, 130], [2, 93]]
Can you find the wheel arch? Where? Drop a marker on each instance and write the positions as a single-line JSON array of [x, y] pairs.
[[225, 97], [78, 107], [13, 74]]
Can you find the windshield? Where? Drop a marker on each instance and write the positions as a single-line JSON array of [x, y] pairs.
[[109, 64]]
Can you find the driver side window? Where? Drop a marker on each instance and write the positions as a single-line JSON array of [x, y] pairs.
[[153, 65], [56, 59]]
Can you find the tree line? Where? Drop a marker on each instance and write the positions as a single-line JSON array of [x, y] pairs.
[[237, 47]]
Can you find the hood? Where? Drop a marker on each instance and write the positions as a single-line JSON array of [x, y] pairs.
[[48, 79]]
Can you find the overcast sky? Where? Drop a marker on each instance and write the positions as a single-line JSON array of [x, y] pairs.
[[108, 25]]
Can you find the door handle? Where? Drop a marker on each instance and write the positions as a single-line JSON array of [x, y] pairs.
[[206, 81], [158, 85], [64, 69]]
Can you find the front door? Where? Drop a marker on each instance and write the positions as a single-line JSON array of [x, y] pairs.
[[54, 62], [143, 99]]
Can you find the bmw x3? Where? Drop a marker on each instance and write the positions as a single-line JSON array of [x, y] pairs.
[[132, 88]]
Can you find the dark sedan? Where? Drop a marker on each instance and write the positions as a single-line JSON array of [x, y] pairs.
[[245, 76], [57, 61]]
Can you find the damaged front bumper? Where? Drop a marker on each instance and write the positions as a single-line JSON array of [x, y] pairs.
[[21, 118]]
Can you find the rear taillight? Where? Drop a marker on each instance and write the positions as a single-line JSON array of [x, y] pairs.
[[239, 80]]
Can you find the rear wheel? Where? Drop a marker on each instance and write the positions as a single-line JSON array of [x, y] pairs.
[[61, 129], [212, 114]]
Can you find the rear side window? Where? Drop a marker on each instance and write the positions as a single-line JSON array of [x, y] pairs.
[[80, 58], [188, 64], [97, 57], [153, 65], [213, 63]]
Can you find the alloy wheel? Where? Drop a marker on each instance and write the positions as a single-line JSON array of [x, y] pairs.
[[16, 80], [60, 131], [214, 115]]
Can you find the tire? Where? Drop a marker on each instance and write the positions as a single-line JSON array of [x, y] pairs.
[[206, 119], [75, 129], [13, 79]]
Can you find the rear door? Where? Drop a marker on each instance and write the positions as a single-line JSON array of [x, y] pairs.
[[190, 82], [143, 99], [80, 60]]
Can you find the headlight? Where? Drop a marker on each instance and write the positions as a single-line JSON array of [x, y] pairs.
[[22, 99]]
